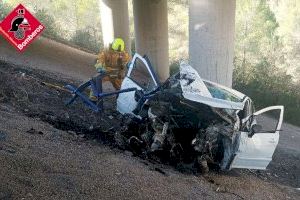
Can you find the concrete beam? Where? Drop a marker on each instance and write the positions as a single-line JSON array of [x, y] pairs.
[[151, 33], [211, 42], [115, 21]]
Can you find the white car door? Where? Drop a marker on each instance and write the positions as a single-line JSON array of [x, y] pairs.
[[256, 152], [139, 76]]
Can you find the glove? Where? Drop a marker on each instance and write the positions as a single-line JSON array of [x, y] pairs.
[[128, 65], [101, 70]]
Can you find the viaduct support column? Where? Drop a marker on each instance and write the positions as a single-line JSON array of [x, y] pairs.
[[151, 33], [115, 21], [211, 43]]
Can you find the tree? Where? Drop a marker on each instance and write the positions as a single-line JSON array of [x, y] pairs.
[[255, 34], [256, 39], [288, 15]]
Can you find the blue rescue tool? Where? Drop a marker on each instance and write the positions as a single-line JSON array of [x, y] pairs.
[[95, 84]]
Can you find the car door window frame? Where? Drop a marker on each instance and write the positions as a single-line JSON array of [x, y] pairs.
[[264, 110], [132, 66]]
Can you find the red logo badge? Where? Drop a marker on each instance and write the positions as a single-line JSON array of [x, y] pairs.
[[20, 27]]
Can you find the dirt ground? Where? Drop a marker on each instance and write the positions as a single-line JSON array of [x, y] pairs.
[[50, 151], [52, 56]]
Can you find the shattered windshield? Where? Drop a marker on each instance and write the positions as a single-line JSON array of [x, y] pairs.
[[221, 93]]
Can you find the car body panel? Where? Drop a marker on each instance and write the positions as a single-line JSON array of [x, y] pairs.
[[250, 152], [126, 102], [256, 152], [197, 91]]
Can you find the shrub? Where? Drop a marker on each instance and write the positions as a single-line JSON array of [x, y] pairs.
[[4, 10], [174, 67], [84, 39], [52, 29], [267, 85]]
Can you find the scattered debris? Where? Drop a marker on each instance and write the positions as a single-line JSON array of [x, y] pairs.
[[34, 132], [72, 133], [57, 87], [187, 122], [2, 96], [118, 173], [160, 171], [8, 149], [193, 121], [186, 119], [2, 136]]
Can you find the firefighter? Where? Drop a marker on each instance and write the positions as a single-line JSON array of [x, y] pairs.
[[112, 62]]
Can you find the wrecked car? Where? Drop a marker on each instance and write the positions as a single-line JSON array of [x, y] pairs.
[[196, 121]]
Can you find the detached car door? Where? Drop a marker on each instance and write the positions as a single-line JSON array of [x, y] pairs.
[[141, 76], [255, 150]]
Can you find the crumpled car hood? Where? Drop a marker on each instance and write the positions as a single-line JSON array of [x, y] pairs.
[[194, 89]]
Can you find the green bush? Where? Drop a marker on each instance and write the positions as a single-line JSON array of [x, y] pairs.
[[4, 10], [267, 85], [174, 67], [84, 39], [51, 27]]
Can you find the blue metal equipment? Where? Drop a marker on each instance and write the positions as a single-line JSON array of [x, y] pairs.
[[95, 84]]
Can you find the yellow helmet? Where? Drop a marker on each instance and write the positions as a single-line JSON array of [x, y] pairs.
[[118, 44]]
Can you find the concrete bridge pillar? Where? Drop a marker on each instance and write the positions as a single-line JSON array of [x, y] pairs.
[[115, 21], [211, 41], [151, 33]]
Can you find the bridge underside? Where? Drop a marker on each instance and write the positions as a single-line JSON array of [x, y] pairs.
[[211, 38], [211, 34]]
